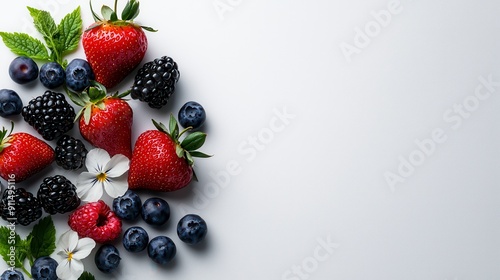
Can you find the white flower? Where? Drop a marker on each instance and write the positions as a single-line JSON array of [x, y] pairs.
[[104, 173], [70, 252]]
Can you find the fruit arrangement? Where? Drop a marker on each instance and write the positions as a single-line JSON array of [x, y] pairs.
[[102, 159]]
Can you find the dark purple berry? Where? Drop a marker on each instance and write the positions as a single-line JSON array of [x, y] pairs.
[[10, 103], [52, 75], [192, 229], [78, 74], [192, 114], [23, 70]]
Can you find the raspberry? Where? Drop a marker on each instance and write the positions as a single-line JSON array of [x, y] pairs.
[[96, 220]]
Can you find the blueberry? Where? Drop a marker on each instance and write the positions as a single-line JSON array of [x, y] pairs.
[[155, 211], [23, 70], [107, 258], [44, 268], [78, 74], [11, 274], [52, 75], [192, 229], [192, 114], [135, 239], [161, 249], [10, 103], [128, 206]]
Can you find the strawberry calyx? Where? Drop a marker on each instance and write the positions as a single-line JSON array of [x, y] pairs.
[[110, 15], [93, 96], [5, 137], [188, 147]]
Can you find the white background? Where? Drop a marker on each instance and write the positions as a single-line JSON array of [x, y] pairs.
[[276, 190]]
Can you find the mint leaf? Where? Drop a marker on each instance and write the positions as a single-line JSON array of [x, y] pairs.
[[4, 243], [12, 248], [24, 45], [44, 22], [22, 247], [43, 238], [70, 31], [86, 276], [46, 26]]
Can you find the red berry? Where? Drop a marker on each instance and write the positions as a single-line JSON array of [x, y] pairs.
[[114, 47], [22, 155], [161, 161], [97, 221], [109, 126]]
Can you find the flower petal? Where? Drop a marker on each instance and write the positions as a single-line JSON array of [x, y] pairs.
[[93, 195], [84, 248], [117, 166], [85, 182], [60, 256], [86, 186], [96, 160], [116, 187], [69, 240], [76, 269], [63, 270]]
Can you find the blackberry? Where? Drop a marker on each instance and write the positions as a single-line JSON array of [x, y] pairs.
[[70, 153], [155, 82], [58, 195], [20, 206], [49, 114]]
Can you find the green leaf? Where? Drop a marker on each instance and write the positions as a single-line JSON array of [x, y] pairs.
[[147, 28], [4, 243], [44, 22], [87, 113], [70, 31], [160, 126], [127, 11], [108, 13], [194, 141], [173, 127], [199, 154], [179, 151], [96, 94], [86, 276], [131, 10], [12, 248], [43, 238], [189, 158], [22, 251], [23, 44], [94, 14]]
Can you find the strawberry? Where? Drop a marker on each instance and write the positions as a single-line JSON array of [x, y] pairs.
[[96, 220], [22, 155], [105, 121], [113, 46], [161, 162]]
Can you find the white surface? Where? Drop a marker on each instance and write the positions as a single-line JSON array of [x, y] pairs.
[[320, 176]]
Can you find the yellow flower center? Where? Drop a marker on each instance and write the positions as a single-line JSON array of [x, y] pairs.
[[70, 256], [101, 177]]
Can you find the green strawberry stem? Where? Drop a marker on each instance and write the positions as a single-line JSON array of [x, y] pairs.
[[94, 95], [5, 137], [187, 148], [129, 13]]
